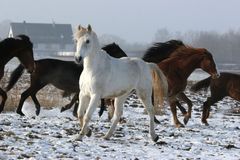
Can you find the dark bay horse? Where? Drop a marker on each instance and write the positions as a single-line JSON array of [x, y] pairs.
[[178, 68], [20, 47], [63, 75], [228, 84]]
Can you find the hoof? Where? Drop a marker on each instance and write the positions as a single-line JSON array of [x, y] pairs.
[[180, 125], [20, 113], [62, 109], [89, 133], [156, 139], [37, 112], [106, 137], [185, 120], [205, 123], [156, 120], [78, 137]]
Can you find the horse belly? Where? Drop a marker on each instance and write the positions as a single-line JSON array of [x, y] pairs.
[[119, 84]]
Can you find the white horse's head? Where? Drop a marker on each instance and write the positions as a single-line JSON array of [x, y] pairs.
[[87, 42]]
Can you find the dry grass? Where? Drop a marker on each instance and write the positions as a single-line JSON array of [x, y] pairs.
[[48, 97]]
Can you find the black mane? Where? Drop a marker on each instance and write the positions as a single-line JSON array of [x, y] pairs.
[[16, 42], [114, 50], [161, 50]]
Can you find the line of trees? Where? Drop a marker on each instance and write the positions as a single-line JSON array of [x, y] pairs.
[[224, 46]]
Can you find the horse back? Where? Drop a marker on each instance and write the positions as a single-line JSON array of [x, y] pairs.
[[62, 74], [226, 83]]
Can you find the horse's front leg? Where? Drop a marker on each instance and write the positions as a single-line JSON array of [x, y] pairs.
[[118, 103], [84, 120]]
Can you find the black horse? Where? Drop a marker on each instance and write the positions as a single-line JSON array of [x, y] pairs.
[[63, 75], [20, 47]]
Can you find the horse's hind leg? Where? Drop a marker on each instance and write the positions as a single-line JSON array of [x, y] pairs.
[[147, 102], [173, 102], [4, 98], [68, 106], [102, 107], [118, 103], [31, 91], [75, 108], [182, 109], [36, 102], [184, 98]]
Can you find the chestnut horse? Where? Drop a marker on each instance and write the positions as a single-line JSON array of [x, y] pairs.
[[228, 84], [20, 47], [178, 68]]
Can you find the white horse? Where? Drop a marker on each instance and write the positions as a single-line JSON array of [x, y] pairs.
[[106, 77]]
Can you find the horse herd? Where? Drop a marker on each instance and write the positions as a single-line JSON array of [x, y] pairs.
[[160, 74]]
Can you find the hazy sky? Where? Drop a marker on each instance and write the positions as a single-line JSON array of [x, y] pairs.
[[132, 20]]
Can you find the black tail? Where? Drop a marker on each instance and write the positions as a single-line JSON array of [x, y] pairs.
[[205, 83], [16, 74]]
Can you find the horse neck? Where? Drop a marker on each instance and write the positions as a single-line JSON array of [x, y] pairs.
[[190, 64], [96, 61], [5, 57]]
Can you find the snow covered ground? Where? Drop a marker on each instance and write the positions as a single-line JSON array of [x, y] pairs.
[[50, 135]]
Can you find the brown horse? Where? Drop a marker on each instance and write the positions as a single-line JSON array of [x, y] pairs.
[[20, 47], [178, 68], [228, 84]]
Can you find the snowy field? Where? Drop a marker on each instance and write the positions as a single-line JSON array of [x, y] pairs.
[[50, 135]]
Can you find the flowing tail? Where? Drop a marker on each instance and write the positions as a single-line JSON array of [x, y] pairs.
[[16, 74], [160, 86], [205, 83]]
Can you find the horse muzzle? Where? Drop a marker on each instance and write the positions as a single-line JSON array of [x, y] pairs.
[[216, 75], [31, 69]]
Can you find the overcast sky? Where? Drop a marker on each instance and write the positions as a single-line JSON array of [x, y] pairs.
[[132, 20]]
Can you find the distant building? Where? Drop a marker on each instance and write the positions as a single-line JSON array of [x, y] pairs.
[[48, 39]]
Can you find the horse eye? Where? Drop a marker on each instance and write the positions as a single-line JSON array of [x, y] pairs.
[[87, 41]]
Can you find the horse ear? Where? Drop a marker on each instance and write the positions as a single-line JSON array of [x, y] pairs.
[[89, 28], [79, 27]]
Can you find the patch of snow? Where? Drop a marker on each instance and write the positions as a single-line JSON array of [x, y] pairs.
[[50, 135]]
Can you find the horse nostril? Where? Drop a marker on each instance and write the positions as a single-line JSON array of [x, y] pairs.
[[215, 76]]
